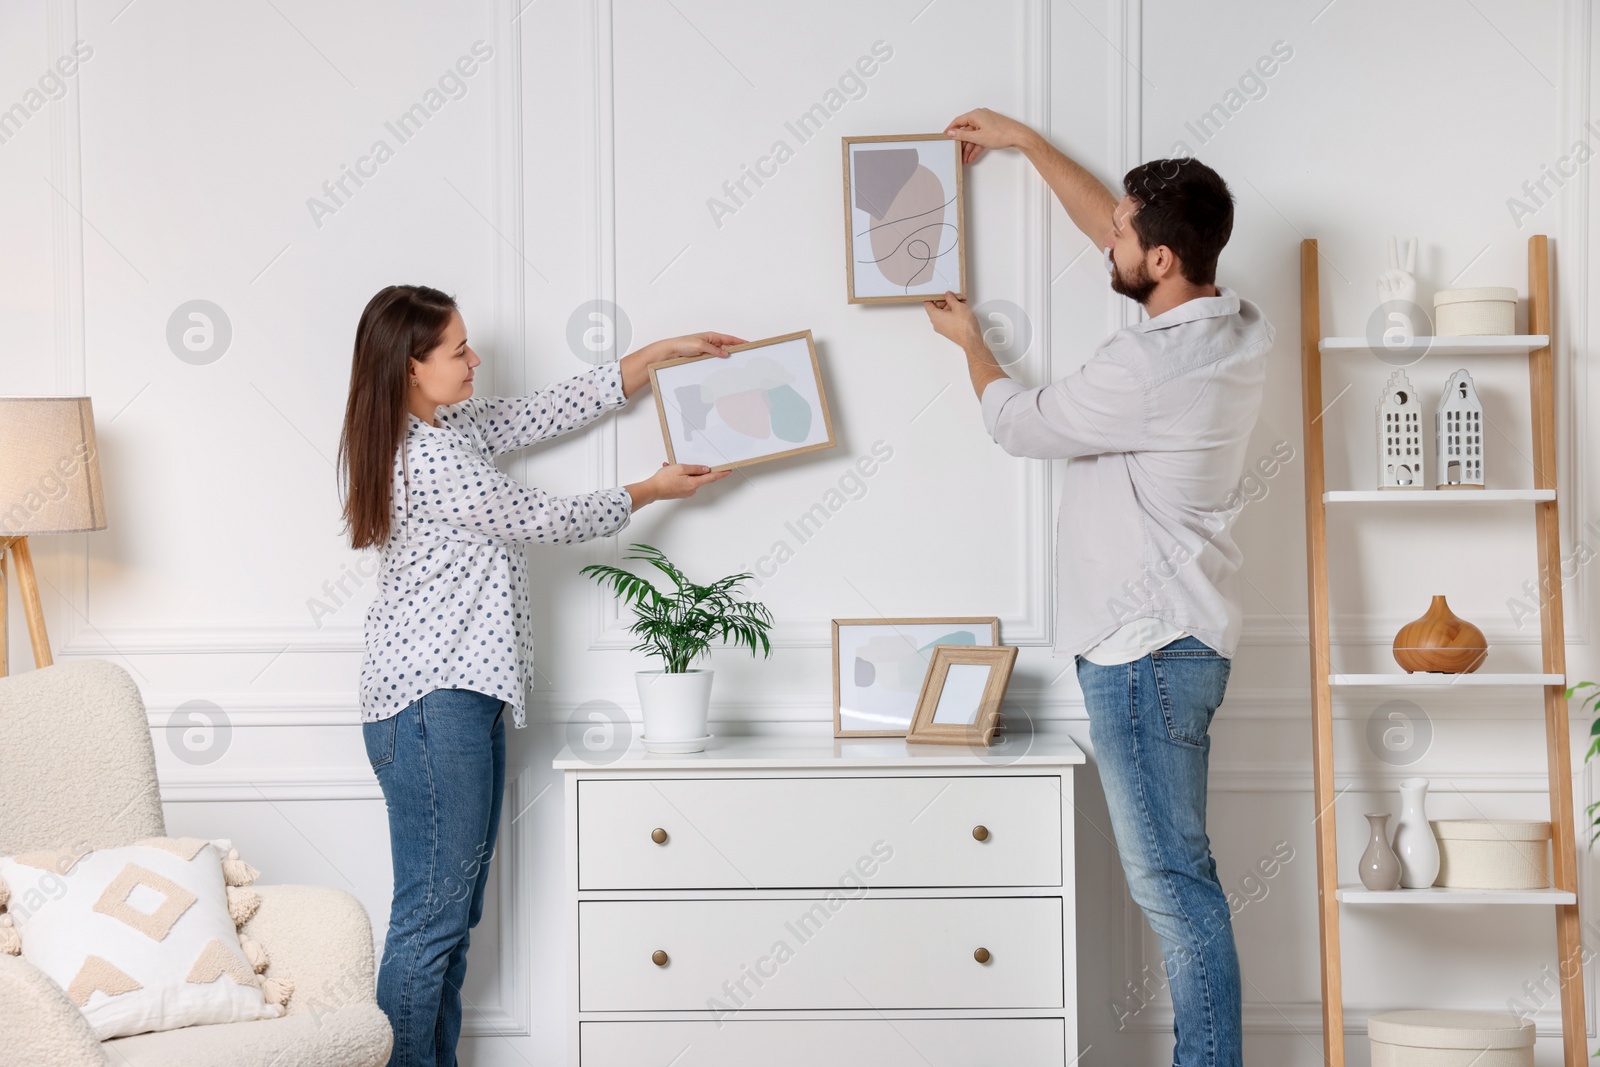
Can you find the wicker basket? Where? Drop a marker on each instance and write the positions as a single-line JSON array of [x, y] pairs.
[[1487, 309], [1493, 853], [1450, 1039]]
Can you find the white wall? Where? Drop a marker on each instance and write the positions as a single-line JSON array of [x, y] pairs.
[[575, 165]]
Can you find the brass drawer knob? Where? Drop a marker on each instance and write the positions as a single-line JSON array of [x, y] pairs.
[[982, 955], [659, 958], [980, 832], [659, 836]]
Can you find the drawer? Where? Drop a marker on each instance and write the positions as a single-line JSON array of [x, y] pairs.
[[902, 1043], [819, 953], [801, 833]]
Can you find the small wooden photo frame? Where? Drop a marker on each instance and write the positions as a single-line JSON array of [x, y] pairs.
[[905, 231], [879, 666], [960, 699], [763, 401]]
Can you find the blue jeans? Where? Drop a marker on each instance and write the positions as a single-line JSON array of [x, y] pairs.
[[442, 765], [1148, 722]]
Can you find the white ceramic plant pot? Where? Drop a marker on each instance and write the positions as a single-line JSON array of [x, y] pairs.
[[674, 706]]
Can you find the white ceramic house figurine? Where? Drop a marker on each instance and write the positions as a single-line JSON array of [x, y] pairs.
[[1458, 424], [1399, 435]]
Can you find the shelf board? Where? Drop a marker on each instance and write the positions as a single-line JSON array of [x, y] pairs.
[[1467, 345], [1359, 894], [1432, 679], [1436, 496]]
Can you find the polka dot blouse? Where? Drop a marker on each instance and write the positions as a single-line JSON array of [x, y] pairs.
[[451, 610]]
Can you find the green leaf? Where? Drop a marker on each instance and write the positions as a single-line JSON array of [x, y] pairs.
[[678, 626]]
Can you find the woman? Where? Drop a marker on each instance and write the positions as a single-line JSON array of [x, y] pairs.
[[449, 641]]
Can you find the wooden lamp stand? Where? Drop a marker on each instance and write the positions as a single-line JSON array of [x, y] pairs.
[[17, 547]]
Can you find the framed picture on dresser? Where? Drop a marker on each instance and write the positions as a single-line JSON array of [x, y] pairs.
[[879, 666], [960, 699]]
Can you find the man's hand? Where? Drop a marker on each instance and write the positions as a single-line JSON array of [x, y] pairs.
[[953, 319], [982, 128], [1088, 202]]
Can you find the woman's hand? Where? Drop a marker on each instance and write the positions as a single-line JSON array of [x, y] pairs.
[[694, 344], [673, 481], [636, 365]]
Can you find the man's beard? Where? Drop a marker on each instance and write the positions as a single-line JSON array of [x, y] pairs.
[[1139, 289]]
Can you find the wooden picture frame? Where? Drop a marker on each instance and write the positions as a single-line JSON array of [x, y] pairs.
[[724, 445], [871, 285], [976, 712], [890, 658]]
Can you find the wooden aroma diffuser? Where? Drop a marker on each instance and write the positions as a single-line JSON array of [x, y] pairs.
[[1440, 642]]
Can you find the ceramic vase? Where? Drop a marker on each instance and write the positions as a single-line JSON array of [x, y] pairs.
[[674, 707], [1380, 867], [1440, 641], [1414, 842]]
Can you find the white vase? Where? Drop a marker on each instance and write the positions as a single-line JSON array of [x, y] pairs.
[[674, 705], [1414, 842]]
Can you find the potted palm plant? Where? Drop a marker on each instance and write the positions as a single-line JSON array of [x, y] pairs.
[[1591, 704], [677, 626]]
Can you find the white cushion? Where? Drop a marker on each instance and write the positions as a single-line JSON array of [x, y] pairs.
[[140, 937]]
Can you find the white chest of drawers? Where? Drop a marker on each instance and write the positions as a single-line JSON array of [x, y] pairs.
[[793, 902]]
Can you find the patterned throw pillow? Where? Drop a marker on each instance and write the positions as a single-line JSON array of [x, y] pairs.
[[142, 937]]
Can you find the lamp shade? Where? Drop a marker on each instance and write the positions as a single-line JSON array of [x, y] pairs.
[[49, 466]]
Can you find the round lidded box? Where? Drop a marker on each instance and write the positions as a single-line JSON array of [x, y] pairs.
[[1493, 853], [1450, 1039], [1485, 309]]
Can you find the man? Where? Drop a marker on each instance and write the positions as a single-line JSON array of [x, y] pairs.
[[1154, 429]]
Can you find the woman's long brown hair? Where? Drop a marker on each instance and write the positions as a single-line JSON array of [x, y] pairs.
[[401, 323]]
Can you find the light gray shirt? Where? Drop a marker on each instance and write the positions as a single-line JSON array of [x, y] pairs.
[[1154, 429]]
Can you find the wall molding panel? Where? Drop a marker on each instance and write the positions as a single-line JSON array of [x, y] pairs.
[[1132, 938], [79, 634], [1259, 704], [608, 631], [1571, 276]]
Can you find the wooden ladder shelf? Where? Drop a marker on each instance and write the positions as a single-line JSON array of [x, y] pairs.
[[1552, 679]]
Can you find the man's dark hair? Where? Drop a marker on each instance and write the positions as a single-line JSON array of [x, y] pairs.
[[1186, 206]]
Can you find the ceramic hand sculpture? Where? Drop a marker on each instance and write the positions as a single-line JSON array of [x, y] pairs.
[[1398, 285]]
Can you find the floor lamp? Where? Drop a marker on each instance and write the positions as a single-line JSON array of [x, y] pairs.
[[49, 484]]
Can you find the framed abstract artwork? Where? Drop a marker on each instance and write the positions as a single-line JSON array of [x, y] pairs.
[[879, 666], [905, 237], [763, 401], [960, 699]]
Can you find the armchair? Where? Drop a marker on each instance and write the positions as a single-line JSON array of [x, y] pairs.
[[79, 767]]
